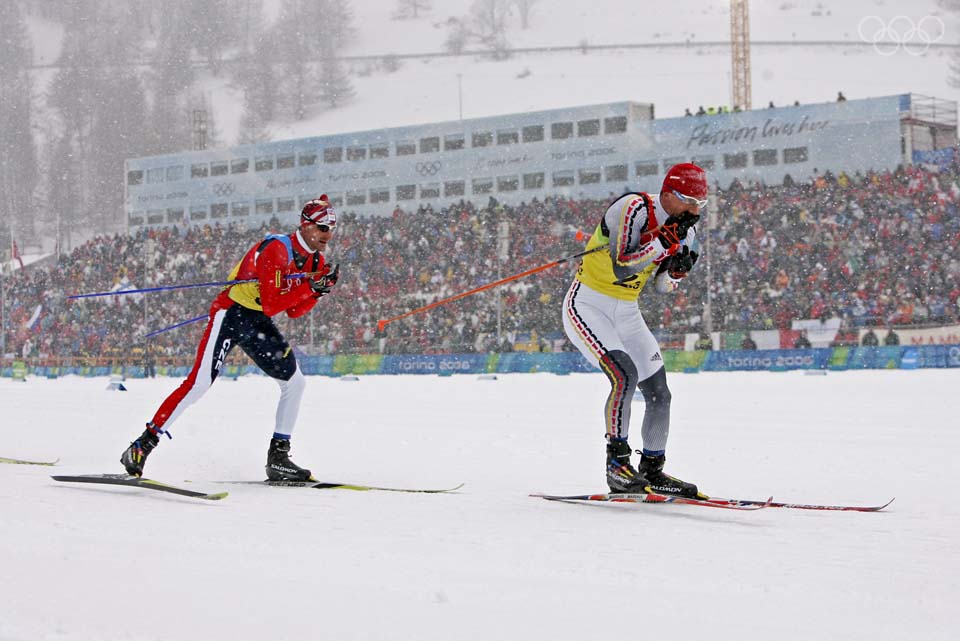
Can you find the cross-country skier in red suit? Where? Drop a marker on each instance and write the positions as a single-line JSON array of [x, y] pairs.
[[241, 315]]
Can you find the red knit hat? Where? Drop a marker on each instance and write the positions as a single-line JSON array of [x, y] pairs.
[[318, 212], [688, 179]]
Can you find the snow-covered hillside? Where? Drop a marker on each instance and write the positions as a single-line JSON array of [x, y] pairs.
[[430, 89]]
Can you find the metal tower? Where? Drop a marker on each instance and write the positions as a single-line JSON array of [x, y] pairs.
[[740, 48]]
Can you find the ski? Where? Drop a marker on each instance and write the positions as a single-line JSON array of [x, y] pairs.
[[727, 504], [322, 485], [17, 461], [134, 481], [805, 506]]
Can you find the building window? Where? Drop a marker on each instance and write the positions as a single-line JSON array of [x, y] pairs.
[[589, 176], [647, 168], [406, 192], [430, 144], [155, 217], [155, 176], [239, 165], [307, 158], [453, 142], [335, 200], [355, 198], [508, 183], [482, 185], [764, 157], [561, 130], [263, 163], [563, 178], [218, 210], [286, 161], [795, 154], [199, 171], [264, 207], [454, 188], [482, 139], [219, 168], [430, 190], [533, 133], [704, 162], [380, 150], [136, 218], [174, 173], [533, 181], [508, 137], [135, 177], [333, 154], [615, 125], [286, 204], [735, 161], [198, 212], [670, 162], [354, 154], [588, 127], [175, 215], [238, 210], [615, 173], [406, 147], [380, 195]]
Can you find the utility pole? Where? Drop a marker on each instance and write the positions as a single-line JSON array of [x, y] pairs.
[[460, 93], [740, 49]]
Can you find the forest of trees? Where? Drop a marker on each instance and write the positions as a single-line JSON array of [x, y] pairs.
[[126, 83], [131, 77]]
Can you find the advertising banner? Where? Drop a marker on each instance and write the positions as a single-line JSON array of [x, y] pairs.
[[557, 363], [949, 335], [435, 364], [767, 359], [874, 358]]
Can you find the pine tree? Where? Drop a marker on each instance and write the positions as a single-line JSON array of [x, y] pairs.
[[19, 172], [335, 86]]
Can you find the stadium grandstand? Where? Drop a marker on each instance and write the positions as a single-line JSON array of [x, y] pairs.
[[833, 221]]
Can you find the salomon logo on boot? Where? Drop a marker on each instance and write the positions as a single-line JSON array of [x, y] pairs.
[[621, 475], [652, 468], [279, 465]]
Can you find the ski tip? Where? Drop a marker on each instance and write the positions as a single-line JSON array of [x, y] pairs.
[[215, 497]]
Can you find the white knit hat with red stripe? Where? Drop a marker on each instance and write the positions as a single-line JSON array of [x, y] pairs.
[[318, 212]]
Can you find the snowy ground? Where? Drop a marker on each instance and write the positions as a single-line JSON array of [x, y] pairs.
[[84, 562]]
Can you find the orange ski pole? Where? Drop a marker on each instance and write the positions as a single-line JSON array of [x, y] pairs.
[[386, 321]]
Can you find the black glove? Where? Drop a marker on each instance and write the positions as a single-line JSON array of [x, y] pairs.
[[323, 284], [675, 228], [680, 264]]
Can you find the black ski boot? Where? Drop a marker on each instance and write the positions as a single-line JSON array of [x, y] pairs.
[[652, 468], [135, 456], [621, 475], [279, 465]]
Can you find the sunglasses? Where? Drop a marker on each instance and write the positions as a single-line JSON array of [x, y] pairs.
[[325, 228], [690, 200]]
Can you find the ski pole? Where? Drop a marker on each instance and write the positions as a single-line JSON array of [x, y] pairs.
[[180, 324], [190, 286], [384, 322]]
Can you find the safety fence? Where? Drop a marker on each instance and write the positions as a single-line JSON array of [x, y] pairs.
[[836, 358]]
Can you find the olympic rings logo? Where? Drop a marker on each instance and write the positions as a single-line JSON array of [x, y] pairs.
[[223, 189], [428, 168], [901, 31]]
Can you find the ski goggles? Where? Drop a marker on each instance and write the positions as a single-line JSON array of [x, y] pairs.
[[690, 200]]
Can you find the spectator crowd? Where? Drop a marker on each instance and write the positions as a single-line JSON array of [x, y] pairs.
[[879, 249]]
